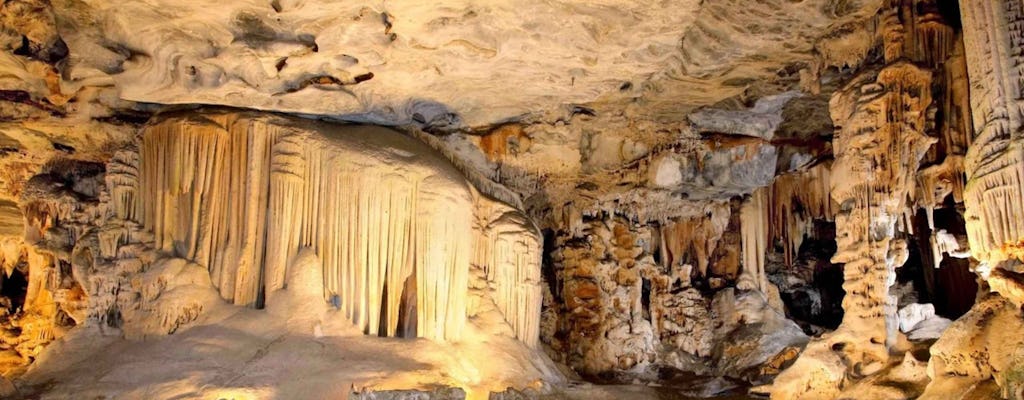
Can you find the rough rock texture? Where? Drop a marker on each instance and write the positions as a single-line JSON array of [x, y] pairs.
[[699, 169], [883, 123], [754, 340], [443, 65], [594, 97], [965, 357], [983, 344], [380, 209], [624, 312], [877, 158], [131, 241], [994, 186]]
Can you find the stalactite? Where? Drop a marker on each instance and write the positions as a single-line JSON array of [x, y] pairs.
[[754, 233], [884, 123], [122, 174], [955, 129], [507, 248], [915, 29], [697, 237], [882, 137], [881, 142], [934, 184], [242, 195], [993, 36], [794, 201]]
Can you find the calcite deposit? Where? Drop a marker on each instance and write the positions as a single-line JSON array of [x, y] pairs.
[[816, 199]]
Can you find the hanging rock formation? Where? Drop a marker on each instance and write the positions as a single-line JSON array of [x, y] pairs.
[[741, 190], [884, 123], [979, 355], [994, 189], [392, 222], [878, 151]]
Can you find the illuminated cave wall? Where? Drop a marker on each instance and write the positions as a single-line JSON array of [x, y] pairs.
[[397, 227], [995, 219], [980, 354], [889, 118], [672, 245]]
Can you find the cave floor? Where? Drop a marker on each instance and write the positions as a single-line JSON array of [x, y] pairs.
[[240, 354], [237, 353]]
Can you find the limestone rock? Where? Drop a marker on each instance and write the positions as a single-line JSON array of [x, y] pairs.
[[435, 394], [760, 121], [175, 292], [983, 344], [398, 215], [920, 322], [755, 341]]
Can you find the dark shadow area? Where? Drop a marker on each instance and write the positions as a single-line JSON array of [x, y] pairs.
[[14, 287], [951, 286], [811, 288]]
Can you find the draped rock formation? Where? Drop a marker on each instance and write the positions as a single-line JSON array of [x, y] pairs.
[[995, 188], [884, 125], [979, 355], [881, 142], [392, 222], [508, 249], [798, 192]]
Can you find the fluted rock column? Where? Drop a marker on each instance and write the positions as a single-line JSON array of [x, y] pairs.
[[882, 124], [982, 344], [879, 145], [391, 221], [994, 195]]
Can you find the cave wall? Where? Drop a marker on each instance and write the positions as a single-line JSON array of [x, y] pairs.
[[978, 356], [378, 208], [992, 165], [671, 227], [886, 118], [628, 301]]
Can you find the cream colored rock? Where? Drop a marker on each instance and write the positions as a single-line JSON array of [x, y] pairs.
[[882, 120], [442, 65], [983, 344], [995, 183], [391, 221]]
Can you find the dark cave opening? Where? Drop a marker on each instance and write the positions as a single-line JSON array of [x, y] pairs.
[[645, 298], [951, 287], [812, 288], [407, 309], [547, 265], [14, 288]]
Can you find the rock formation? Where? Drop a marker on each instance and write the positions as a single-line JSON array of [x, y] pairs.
[[884, 128], [808, 199], [977, 356], [993, 160], [392, 222]]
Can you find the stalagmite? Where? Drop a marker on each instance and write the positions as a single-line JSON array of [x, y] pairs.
[[877, 160], [642, 197], [882, 124], [695, 238], [980, 353], [378, 208]]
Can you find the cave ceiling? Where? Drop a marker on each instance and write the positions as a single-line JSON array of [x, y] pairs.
[[592, 102]]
